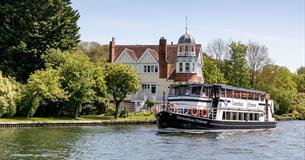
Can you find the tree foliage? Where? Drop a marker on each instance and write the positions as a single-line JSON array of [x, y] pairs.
[[211, 72], [43, 88], [300, 79], [279, 82], [121, 80], [8, 96], [83, 80], [29, 28], [235, 69], [69, 83], [96, 52]]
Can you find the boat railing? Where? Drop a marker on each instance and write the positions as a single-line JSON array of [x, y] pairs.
[[190, 111]]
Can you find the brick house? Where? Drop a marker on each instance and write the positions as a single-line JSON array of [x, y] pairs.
[[158, 66]]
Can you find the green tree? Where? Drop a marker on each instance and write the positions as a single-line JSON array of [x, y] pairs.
[[43, 88], [211, 72], [8, 96], [279, 82], [150, 103], [300, 79], [235, 69], [121, 80], [29, 28], [82, 79], [98, 53], [301, 70]]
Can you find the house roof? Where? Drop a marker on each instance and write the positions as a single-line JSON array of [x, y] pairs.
[[136, 51]]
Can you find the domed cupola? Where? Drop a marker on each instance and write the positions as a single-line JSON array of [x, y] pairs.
[[188, 63], [186, 54], [186, 39]]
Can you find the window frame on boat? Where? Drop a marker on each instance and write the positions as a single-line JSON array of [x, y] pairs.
[[240, 116], [225, 91]]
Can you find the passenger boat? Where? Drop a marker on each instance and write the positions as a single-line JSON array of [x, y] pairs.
[[215, 107]]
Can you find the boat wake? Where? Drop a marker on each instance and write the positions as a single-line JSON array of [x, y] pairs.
[[218, 134]]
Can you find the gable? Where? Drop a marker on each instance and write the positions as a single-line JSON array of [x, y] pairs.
[[125, 58], [147, 57]]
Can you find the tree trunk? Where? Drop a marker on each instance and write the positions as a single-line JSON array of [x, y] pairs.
[[117, 105], [76, 110]]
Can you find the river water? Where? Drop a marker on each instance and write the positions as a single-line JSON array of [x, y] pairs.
[[287, 141]]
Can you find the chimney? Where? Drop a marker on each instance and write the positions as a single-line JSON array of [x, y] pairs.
[[111, 50], [162, 58]]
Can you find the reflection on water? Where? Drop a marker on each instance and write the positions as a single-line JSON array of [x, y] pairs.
[[147, 142]]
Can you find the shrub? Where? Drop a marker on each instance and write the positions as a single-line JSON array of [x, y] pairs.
[[110, 111], [123, 113], [8, 96]]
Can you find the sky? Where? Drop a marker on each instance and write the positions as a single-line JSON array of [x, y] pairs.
[[278, 24]]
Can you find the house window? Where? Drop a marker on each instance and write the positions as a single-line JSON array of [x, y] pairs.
[[187, 67], [153, 88], [149, 87], [180, 67], [148, 69]]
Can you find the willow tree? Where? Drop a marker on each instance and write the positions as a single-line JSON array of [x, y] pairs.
[[121, 80], [29, 28]]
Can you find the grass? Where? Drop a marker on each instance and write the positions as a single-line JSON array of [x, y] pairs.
[[131, 116]]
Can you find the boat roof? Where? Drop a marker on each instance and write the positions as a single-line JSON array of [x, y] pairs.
[[223, 86]]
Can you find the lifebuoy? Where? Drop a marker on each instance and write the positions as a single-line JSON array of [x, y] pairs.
[[204, 113], [194, 112], [171, 106]]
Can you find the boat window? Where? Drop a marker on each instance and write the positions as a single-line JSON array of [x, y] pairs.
[[241, 116], [231, 115], [228, 115], [243, 95], [236, 94], [251, 116], [173, 91], [255, 95], [183, 90], [216, 91], [256, 116], [234, 115], [230, 94], [223, 115], [250, 95], [222, 92], [262, 98], [196, 90], [204, 92], [246, 116]]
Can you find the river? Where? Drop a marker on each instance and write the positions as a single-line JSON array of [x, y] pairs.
[[287, 141]]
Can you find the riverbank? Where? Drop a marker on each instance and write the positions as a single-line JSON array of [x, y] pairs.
[[96, 120]]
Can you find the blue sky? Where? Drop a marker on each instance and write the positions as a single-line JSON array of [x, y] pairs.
[[278, 24]]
